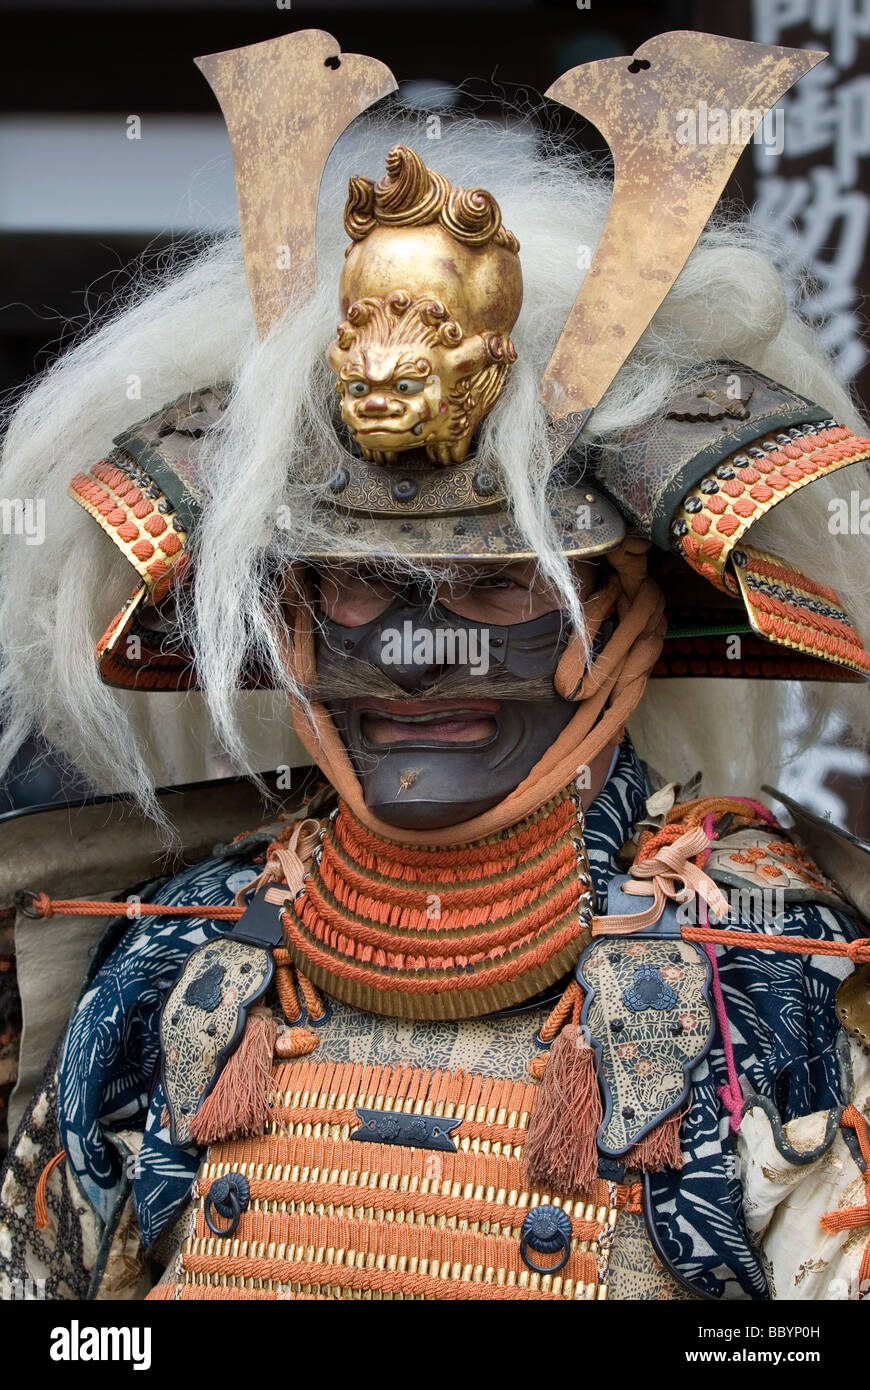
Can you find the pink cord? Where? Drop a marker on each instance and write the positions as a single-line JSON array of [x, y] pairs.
[[731, 1096], [760, 810]]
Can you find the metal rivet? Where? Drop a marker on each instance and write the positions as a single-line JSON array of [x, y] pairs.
[[484, 483], [404, 489]]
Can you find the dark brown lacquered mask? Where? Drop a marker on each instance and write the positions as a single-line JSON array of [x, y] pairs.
[[443, 696]]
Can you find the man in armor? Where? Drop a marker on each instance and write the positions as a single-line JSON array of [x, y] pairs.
[[484, 1006]]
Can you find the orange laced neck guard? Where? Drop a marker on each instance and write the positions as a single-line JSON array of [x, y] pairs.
[[606, 695]]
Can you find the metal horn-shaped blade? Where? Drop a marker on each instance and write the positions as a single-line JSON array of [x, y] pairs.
[[285, 103], [664, 190]]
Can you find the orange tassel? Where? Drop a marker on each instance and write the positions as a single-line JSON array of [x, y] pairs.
[[560, 1152], [658, 1149], [238, 1103], [40, 1207]]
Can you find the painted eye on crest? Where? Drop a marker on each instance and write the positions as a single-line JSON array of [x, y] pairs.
[[358, 388], [407, 387]]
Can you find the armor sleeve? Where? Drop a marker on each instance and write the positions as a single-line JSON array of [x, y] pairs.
[[797, 1176]]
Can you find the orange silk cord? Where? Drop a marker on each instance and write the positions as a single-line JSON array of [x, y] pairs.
[[852, 1217]]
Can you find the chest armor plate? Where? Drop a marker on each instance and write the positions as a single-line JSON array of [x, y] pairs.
[[337, 1212]]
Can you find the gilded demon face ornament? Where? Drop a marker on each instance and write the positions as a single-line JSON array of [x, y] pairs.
[[430, 290]]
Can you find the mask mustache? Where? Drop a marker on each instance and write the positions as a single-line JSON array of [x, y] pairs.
[[348, 678]]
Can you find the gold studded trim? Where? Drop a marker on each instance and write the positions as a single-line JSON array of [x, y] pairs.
[[719, 510], [137, 515]]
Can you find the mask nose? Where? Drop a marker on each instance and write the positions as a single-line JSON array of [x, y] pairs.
[[414, 678], [404, 648]]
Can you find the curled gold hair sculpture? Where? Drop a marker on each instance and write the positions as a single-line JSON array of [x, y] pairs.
[[410, 195]]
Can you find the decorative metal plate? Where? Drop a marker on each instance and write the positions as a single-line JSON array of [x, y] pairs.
[[840, 855], [411, 1131], [203, 1020], [409, 488], [649, 1020], [853, 1004], [586, 523]]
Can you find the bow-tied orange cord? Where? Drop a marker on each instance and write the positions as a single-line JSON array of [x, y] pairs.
[[286, 863], [669, 874]]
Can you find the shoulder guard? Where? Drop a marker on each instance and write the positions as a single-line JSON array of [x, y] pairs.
[[146, 494], [730, 445], [147, 497], [722, 410], [841, 854], [814, 863], [765, 860]]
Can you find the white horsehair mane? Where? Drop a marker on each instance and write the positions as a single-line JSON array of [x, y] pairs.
[[193, 326]]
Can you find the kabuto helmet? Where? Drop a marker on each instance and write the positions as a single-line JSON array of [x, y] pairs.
[[429, 295]]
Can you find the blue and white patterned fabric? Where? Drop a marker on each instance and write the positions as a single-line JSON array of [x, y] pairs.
[[784, 1030], [110, 1069], [781, 1012]]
